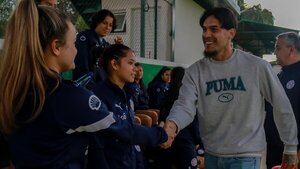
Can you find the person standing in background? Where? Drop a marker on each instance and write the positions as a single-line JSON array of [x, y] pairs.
[[227, 89], [102, 24], [183, 152], [287, 51], [158, 87], [140, 95]]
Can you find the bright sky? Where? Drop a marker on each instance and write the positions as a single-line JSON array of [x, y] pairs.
[[285, 12]]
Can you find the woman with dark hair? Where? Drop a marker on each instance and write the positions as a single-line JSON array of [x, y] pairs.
[[141, 99], [182, 153], [158, 87], [118, 63], [174, 86], [140, 96], [102, 24]]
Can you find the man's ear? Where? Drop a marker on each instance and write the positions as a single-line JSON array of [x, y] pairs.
[[232, 33], [55, 47]]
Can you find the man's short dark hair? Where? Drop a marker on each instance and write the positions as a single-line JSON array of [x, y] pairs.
[[100, 16], [225, 16]]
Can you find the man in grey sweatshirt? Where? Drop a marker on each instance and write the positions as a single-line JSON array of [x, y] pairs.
[[228, 88]]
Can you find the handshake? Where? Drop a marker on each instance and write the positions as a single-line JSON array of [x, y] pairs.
[[171, 129]]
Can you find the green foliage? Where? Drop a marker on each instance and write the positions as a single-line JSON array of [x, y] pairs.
[[69, 9], [5, 8], [257, 14], [241, 4], [80, 24], [66, 6]]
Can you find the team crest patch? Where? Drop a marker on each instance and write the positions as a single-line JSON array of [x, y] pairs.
[[290, 84], [82, 38], [94, 102], [200, 151], [194, 162], [158, 90], [123, 116]]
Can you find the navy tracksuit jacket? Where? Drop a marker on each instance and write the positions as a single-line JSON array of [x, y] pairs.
[[58, 137], [139, 97], [119, 154], [157, 93], [290, 80], [86, 40]]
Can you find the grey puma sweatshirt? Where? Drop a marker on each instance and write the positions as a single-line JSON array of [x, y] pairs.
[[229, 96]]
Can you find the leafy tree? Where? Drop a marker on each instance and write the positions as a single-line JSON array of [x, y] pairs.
[[80, 24], [6, 7], [241, 4], [253, 41], [68, 8], [257, 14]]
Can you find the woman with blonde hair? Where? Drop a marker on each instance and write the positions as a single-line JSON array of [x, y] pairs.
[[46, 121]]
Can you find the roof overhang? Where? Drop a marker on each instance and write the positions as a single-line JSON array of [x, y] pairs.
[[207, 4], [258, 38]]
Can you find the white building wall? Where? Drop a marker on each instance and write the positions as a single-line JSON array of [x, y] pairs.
[[121, 5], [188, 46], [132, 35], [188, 33]]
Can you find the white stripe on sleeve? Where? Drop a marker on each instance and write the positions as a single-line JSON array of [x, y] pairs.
[[99, 125]]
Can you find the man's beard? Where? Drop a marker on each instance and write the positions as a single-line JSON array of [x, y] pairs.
[[211, 54]]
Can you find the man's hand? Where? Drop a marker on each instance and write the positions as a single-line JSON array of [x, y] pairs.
[[170, 128], [289, 161]]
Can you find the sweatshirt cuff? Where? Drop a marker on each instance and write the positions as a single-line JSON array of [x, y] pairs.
[[290, 149], [176, 123]]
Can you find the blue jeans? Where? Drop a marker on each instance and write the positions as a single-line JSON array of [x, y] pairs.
[[213, 162]]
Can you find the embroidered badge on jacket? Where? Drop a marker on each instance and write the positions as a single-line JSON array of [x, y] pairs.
[[94, 102], [82, 38], [290, 84]]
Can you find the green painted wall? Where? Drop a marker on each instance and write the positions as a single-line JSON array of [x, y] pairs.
[[150, 70], [67, 75]]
